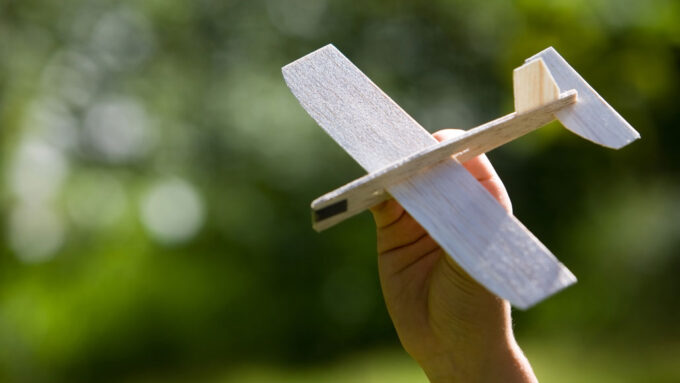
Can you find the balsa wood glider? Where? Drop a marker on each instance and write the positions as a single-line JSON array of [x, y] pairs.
[[405, 162]]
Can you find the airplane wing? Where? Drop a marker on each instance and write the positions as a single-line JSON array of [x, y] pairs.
[[468, 223]]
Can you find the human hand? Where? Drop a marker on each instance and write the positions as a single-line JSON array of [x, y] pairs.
[[451, 325]]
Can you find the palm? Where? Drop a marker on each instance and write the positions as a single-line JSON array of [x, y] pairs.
[[435, 306]]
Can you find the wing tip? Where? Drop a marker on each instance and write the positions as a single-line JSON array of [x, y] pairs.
[[634, 136], [538, 55], [288, 67], [564, 279], [624, 134]]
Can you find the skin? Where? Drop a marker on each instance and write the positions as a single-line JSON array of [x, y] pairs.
[[452, 326]]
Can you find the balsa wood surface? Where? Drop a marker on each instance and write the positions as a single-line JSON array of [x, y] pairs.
[[370, 189], [533, 86], [486, 241], [473, 228], [353, 110], [591, 118]]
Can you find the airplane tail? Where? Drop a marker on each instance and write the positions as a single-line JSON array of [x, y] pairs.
[[591, 117]]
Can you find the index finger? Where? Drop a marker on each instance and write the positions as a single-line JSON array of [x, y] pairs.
[[480, 167]]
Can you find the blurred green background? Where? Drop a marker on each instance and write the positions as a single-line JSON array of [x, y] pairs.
[[157, 173]]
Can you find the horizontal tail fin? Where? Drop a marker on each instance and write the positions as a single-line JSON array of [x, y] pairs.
[[591, 117]]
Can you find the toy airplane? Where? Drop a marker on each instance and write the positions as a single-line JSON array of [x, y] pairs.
[[405, 162]]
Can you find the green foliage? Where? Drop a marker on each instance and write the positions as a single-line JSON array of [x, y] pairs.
[[157, 177]]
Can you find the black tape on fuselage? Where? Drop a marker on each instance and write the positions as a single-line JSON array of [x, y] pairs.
[[330, 211]]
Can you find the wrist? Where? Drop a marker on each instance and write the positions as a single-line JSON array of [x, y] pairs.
[[484, 351], [505, 363]]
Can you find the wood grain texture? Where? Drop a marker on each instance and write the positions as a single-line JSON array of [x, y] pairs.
[[349, 107], [370, 189], [486, 241], [472, 227], [591, 118], [533, 86]]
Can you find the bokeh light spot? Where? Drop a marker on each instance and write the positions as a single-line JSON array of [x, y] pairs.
[[49, 119], [122, 38], [72, 76], [37, 171], [35, 232], [172, 211], [118, 130]]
